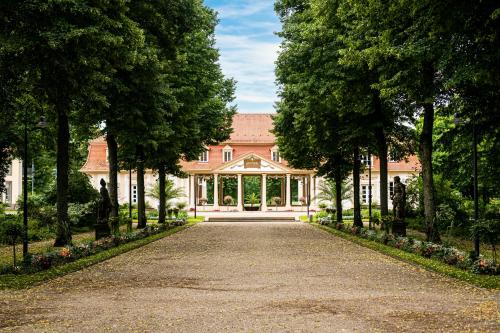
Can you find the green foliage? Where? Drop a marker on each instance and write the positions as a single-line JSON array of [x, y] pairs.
[[11, 231], [452, 208], [252, 199], [328, 192], [82, 215], [171, 192], [21, 281], [80, 190], [488, 231], [252, 189]]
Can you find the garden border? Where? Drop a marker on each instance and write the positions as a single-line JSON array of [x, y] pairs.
[[483, 281], [13, 281]]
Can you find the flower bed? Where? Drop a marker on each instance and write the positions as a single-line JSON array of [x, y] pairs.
[[39, 262], [448, 255]]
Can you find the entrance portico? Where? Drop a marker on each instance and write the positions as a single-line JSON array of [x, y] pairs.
[[252, 182]]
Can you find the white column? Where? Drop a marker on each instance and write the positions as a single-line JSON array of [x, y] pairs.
[[204, 189], [240, 193], [314, 186], [288, 204], [216, 191], [191, 191], [264, 193], [301, 188]]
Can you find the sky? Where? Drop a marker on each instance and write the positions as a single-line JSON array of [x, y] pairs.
[[248, 48]]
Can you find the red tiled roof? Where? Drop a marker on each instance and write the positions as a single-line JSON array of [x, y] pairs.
[[96, 157], [252, 128], [251, 133]]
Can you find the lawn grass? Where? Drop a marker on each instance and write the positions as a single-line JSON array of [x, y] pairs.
[[12, 281], [484, 281]]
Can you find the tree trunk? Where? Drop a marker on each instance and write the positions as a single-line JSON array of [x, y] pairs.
[[427, 176], [356, 184], [141, 201], [338, 195], [426, 158], [161, 185], [381, 141], [63, 236], [113, 174]]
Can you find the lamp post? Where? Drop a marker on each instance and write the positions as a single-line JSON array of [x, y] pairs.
[[458, 121], [41, 124], [369, 189], [195, 193], [308, 194]]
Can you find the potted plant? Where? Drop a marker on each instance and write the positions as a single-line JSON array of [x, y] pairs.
[[252, 199], [276, 201]]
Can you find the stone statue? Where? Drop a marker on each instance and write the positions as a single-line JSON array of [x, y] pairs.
[[399, 199], [103, 209], [398, 206]]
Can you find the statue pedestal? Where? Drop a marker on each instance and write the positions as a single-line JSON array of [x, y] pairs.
[[102, 230], [399, 228]]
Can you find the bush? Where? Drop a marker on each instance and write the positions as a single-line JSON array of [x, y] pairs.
[[11, 232], [80, 190], [488, 231], [82, 215], [446, 254], [320, 214]]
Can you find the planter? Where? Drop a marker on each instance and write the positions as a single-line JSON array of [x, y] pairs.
[[252, 209]]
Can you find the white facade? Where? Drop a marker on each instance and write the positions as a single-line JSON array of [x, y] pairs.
[[13, 184]]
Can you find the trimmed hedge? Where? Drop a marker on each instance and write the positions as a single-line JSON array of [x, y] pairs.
[[38, 262], [20, 281], [447, 255]]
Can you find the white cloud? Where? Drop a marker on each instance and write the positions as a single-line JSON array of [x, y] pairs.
[[248, 51], [243, 8], [251, 62]]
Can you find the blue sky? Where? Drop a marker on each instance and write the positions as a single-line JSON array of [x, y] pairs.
[[248, 48]]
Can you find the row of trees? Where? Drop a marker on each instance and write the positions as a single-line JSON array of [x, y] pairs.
[[358, 75], [143, 73]]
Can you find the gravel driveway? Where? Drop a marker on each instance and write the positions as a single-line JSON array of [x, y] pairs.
[[251, 277]]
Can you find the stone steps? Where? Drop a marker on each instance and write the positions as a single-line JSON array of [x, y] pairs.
[[252, 219]]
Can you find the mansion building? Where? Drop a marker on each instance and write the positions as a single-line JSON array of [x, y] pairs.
[[244, 173]]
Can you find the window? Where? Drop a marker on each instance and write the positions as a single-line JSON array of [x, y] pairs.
[[275, 155], [364, 160], [391, 189], [134, 194], [204, 156], [228, 155], [364, 194], [8, 193]]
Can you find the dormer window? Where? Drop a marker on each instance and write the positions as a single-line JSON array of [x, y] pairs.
[[204, 156], [227, 154], [275, 154]]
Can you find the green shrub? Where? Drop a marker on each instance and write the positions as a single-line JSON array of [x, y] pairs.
[[82, 215], [489, 232], [11, 232], [80, 190]]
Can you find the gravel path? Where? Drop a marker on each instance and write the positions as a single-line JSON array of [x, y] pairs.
[[251, 277]]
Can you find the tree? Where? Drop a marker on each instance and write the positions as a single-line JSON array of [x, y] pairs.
[[196, 113], [11, 232], [66, 45], [328, 191], [170, 192]]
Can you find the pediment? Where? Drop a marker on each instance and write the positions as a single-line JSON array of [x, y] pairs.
[[252, 163]]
